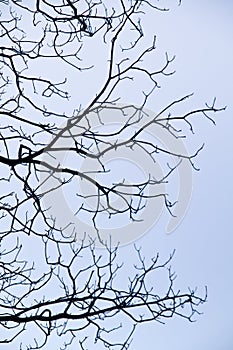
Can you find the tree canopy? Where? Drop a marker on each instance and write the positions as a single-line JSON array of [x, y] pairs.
[[65, 67]]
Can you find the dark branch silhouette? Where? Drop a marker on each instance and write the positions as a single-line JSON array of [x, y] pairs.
[[83, 294], [71, 289]]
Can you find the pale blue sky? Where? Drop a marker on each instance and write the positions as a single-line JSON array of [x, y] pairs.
[[200, 34]]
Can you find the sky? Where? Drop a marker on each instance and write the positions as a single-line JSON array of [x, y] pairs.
[[200, 34]]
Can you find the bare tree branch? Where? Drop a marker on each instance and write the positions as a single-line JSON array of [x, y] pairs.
[[67, 288]]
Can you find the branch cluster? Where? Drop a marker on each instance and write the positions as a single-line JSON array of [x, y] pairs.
[[72, 289]]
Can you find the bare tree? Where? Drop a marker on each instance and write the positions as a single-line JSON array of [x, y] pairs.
[[68, 288]]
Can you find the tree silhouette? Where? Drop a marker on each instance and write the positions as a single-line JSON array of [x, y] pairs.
[[54, 281]]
